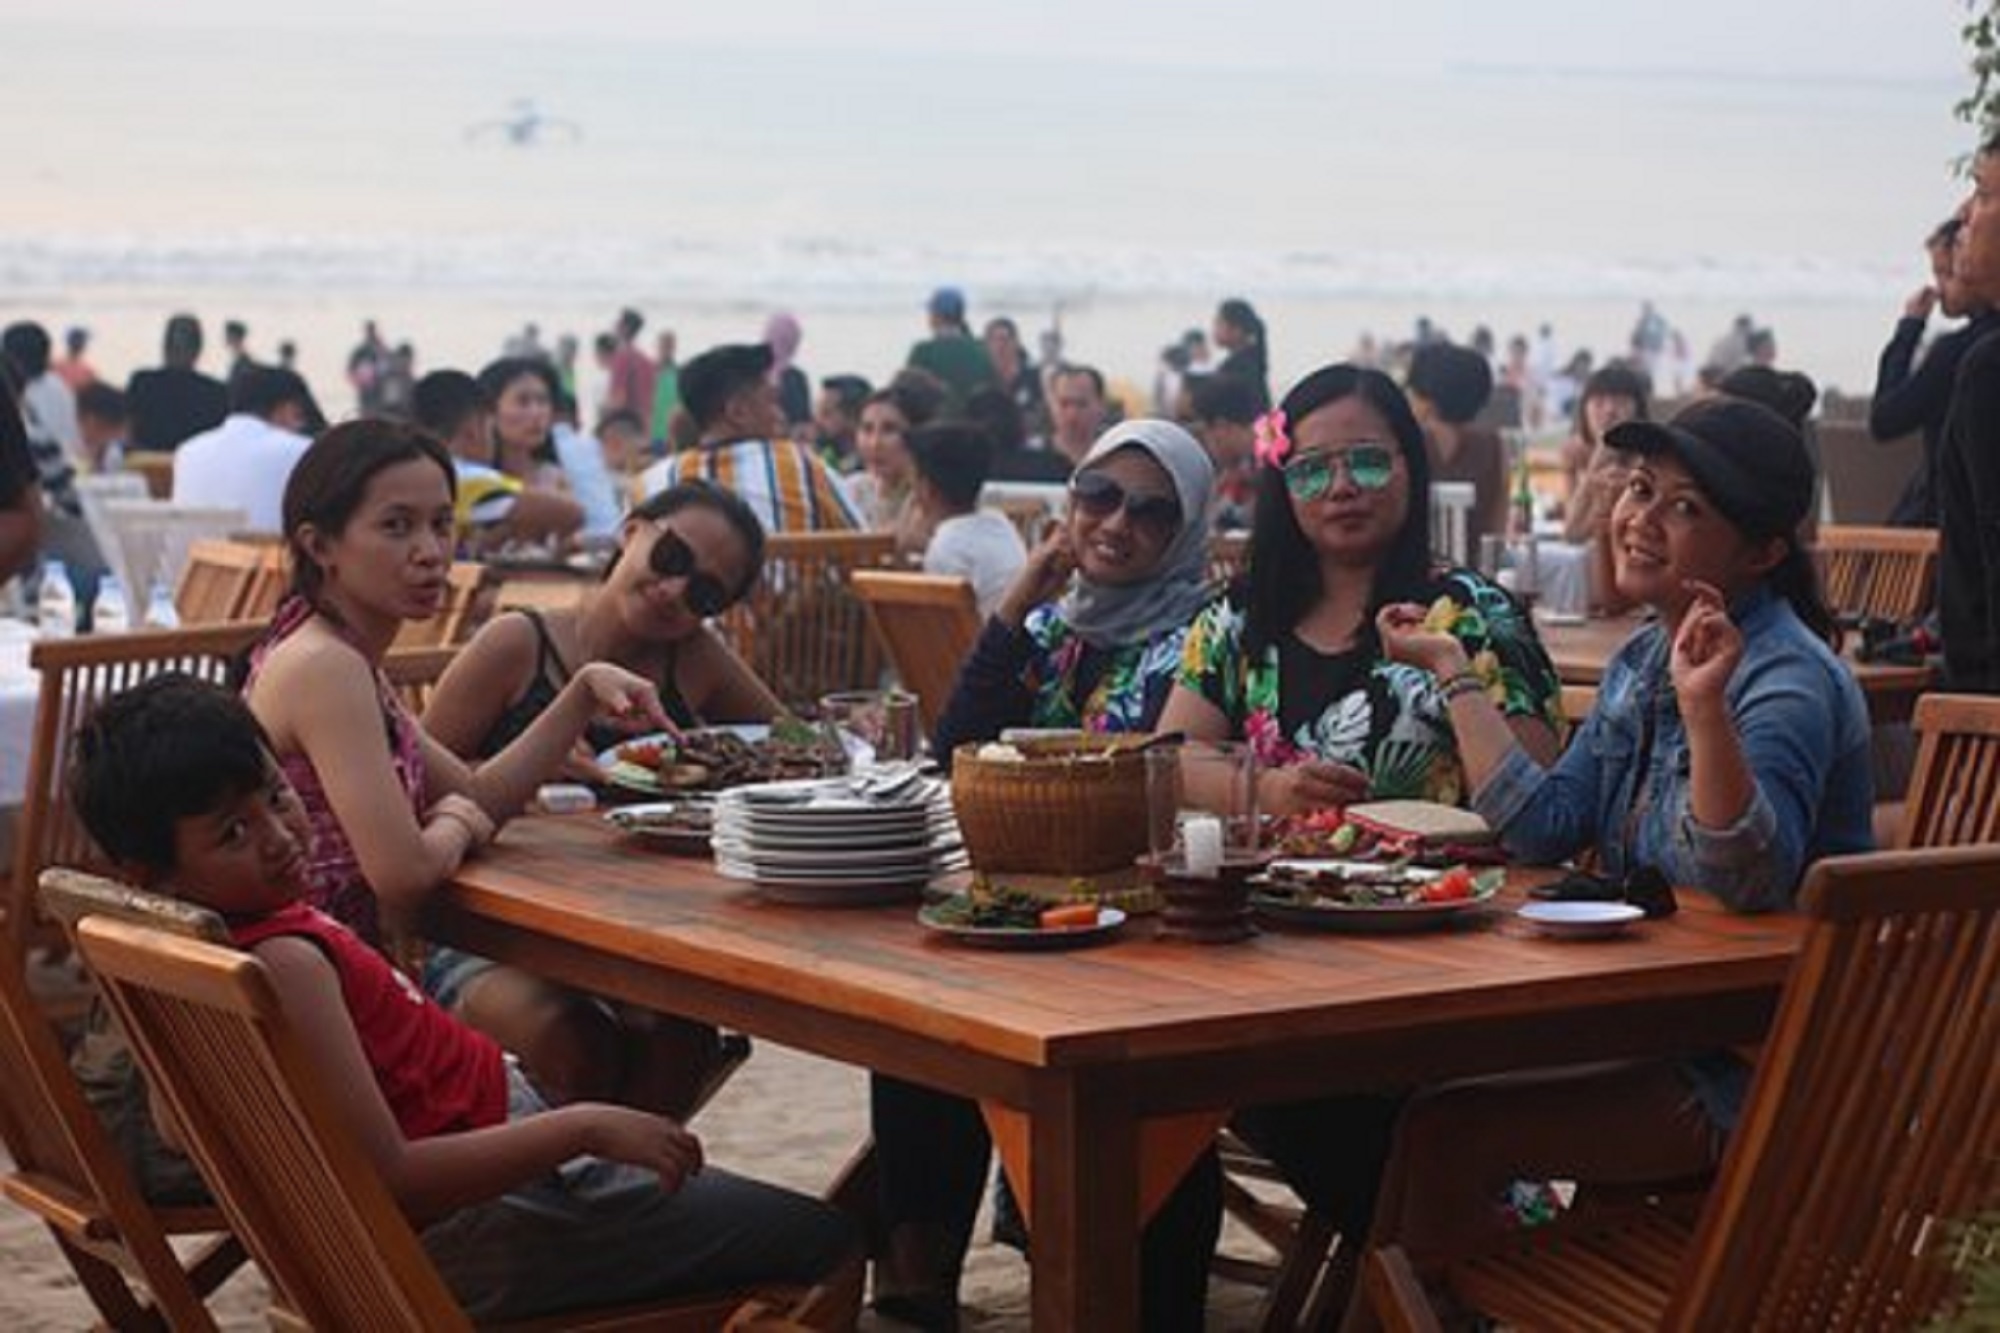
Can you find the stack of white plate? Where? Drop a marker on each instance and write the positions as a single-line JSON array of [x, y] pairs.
[[837, 841]]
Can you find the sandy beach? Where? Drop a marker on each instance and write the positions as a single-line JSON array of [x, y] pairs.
[[787, 1117]]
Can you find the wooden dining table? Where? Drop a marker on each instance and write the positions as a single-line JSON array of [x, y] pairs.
[[1091, 1049], [1581, 650]]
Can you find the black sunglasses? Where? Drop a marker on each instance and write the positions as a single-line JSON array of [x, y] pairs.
[[1643, 886], [672, 558], [1100, 497]]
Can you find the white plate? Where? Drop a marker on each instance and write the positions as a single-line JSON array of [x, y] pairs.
[[643, 822], [1580, 921], [633, 778], [1109, 919]]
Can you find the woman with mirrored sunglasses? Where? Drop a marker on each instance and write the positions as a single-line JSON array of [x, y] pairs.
[[684, 557], [1089, 636], [1290, 660]]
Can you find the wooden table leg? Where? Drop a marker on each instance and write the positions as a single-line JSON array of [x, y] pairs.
[[1085, 1218]]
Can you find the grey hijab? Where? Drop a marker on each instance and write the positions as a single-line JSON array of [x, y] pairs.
[[1108, 616]]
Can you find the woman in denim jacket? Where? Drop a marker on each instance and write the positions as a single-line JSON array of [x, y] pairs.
[[1728, 750]]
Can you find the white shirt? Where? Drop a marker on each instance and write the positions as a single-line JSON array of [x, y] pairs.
[[242, 464], [582, 460], [981, 546]]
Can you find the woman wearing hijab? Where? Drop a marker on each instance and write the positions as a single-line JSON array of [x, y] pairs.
[[1089, 636]]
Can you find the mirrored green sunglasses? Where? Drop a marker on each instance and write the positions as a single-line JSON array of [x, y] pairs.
[[1369, 466]]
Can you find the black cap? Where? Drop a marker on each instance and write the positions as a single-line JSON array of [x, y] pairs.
[[709, 381], [1749, 461]]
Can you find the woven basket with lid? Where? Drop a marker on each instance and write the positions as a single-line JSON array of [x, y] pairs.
[[1071, 805]]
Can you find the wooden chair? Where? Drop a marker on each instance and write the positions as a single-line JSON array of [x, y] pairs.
[[1311, 1273], [1883, 572], [156, 466], [1872, 1127], [928, 624], [268, 588], [293, 1181], [1954, 796], [1228, 557], [803, 630], [415, 672], [76, 674], [454, 621], [67, 1172], [217, 581]]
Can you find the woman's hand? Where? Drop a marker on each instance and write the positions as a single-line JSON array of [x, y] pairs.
[[1921, 303], [1041, 580], [621, 1134], [624, 697], [1406, 637], [1313, 784], [1707, 647]]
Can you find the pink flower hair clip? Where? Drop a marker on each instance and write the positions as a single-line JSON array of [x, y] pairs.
[[1273, 446]]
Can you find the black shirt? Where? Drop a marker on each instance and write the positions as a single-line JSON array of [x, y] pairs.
[[170, 405], [1968, 494], [1912, 395]]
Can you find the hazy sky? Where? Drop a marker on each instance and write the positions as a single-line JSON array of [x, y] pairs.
[[1897, 39]]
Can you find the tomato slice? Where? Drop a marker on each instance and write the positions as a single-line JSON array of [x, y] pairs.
[[1454, 885]]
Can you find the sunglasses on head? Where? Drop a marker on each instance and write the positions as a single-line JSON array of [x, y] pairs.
[[672, 558], [1369, 466], [1100, 497]]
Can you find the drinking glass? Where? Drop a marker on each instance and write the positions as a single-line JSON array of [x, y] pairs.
[[870, 727]]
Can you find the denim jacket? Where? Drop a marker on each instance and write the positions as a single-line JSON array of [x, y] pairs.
[[1804, 731]]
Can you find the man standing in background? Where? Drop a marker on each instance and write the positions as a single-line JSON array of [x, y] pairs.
[[630, 370], [951, 352], [175, 401]]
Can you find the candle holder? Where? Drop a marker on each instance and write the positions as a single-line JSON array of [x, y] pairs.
[[1202, 808]]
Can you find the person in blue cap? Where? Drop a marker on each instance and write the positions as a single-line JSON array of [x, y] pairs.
[[951, 352]]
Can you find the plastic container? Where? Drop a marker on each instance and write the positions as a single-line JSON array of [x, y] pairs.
[[110, 613], [160, 612], [55, 604]]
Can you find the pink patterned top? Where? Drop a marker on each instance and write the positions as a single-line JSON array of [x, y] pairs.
[[337, 886]]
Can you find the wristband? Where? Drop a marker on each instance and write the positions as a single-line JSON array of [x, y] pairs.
[[1461, 682]]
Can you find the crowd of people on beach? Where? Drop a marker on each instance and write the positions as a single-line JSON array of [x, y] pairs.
[[1727, 749]]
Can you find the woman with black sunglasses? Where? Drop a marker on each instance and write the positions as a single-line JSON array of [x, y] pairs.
[[685, 556], [1089, 636]]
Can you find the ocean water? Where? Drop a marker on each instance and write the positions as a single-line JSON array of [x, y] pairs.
[[208, 168]]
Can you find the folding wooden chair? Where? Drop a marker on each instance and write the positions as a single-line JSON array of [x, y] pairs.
[[76, 674], [803, 630], [1878, 572], [294, 1183], [1955, 793], [68, 1173], [927, 623], [217, 581], [1872, 1127], [415, 672]]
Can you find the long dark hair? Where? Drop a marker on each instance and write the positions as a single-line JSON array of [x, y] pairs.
[[701, 493], [1284, 569], [331, 478], [493, 380], [1796, 579]]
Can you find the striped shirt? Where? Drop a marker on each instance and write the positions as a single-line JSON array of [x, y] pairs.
[[784, 482]]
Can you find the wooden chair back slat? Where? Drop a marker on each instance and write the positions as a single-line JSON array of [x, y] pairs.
[[415, 672], [76, 674], [802, 629], [272, 580], [1954, 796], [246, 1094], [217, 580], [1879, 572], [453, 622], [1874, 1121], [928, 624]]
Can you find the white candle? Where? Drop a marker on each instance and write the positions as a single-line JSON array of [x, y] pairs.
[[1201, 835]]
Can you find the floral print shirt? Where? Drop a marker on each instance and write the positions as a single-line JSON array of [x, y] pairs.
[[1385, 718]]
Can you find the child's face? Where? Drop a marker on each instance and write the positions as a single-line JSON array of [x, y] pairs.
[[248, 855]]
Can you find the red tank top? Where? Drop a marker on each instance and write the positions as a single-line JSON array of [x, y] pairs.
[[438, 1075]]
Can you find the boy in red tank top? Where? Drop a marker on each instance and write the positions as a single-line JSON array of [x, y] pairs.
[[526, 1210]]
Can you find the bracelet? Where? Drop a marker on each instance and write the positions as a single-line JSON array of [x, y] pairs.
[[1461, 682]]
